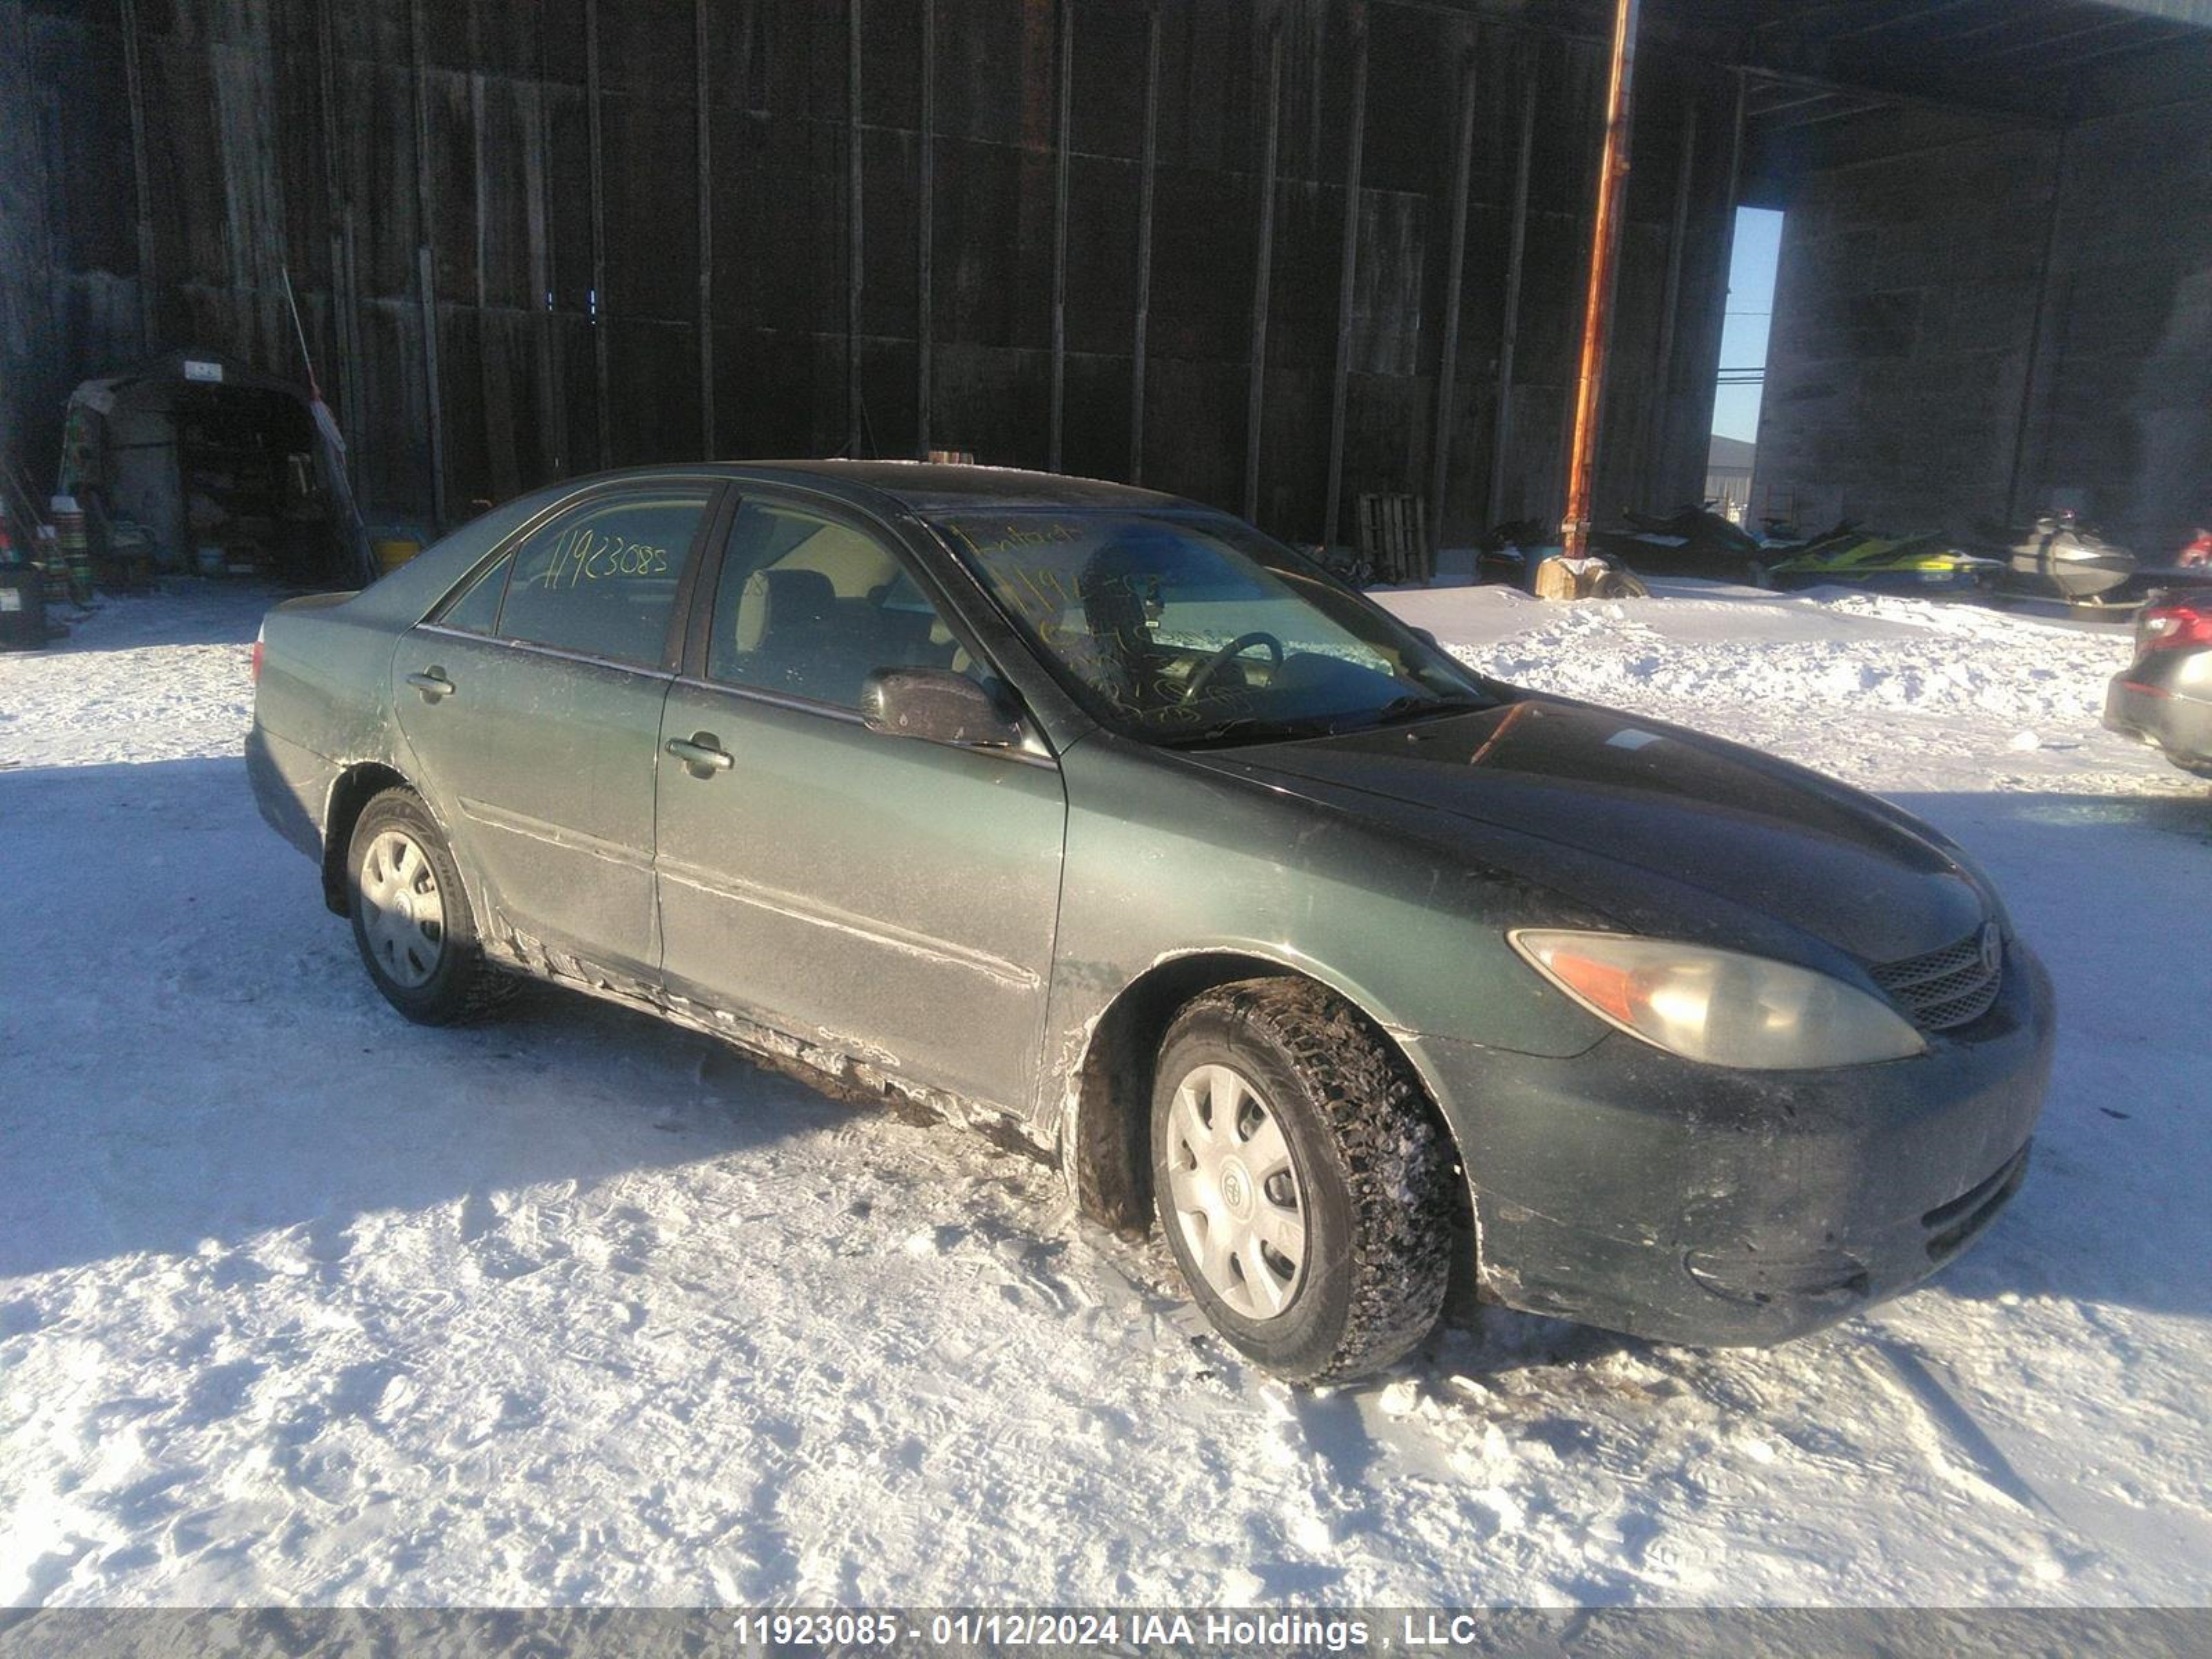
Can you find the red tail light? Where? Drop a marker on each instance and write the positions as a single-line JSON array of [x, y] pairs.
[[2177, 626], [257, 657]]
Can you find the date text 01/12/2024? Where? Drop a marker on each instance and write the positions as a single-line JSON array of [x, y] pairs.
[[1331, 1633]]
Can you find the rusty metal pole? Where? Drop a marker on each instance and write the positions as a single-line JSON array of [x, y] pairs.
[[1597, 302]]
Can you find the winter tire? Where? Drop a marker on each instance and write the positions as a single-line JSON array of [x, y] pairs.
[[411, 919], [1300, 1179]]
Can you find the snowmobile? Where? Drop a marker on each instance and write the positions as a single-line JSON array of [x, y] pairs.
[[1925, 565], [1693, 541], [2064, 558]]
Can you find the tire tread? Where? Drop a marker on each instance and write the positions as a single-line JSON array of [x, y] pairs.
[[1394, 1155]]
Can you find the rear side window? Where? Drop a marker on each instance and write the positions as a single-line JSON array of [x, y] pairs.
[[601, 577], [476, 610]]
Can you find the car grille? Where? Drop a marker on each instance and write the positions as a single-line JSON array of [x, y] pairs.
[[1950, 1225], [1944, 988]]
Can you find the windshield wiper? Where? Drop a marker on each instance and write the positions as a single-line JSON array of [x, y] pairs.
[[1252, 728], [1400, 710], [1246, 728]]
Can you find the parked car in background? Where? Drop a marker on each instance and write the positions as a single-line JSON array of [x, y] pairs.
[[1097, 815], [2163, 697]]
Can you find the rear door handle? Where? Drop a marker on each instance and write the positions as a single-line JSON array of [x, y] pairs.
[[702, 753], [432, 683]]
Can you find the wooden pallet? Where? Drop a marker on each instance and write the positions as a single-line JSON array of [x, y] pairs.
[[1394, 537]]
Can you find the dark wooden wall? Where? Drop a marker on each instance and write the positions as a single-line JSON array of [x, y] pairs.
[[625, 230]]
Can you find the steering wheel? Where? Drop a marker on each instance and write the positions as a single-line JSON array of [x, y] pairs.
[[1236, 647]]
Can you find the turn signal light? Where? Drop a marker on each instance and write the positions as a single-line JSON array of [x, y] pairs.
[[2176, 627]]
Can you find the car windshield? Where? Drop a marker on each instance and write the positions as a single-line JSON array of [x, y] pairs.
[[1196, 629]]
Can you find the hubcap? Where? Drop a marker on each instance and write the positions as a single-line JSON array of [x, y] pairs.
[[1235, 1192], [403, 915]]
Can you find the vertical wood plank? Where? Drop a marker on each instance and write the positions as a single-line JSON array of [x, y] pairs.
[[1447, 364], [852, 226], [1501, 426], [1262, 276], [925, 232], [706, 146], [1146, 174], [1347, 273], [1065, 95]]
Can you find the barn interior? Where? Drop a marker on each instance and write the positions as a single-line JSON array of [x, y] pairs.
[[1276, 255]]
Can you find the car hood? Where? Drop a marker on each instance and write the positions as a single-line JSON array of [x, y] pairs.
[[1691, 815]]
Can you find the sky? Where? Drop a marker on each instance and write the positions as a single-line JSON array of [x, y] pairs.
[[1743, 338]]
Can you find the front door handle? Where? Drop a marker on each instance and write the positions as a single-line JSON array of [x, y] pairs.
[[432, 683], [702, 753]]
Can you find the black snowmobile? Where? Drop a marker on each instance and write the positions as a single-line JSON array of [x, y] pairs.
[[1693, 541]]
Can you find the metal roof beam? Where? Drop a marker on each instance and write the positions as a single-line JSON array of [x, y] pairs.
[[1913, 14], [2044, 43], [1903, 100]]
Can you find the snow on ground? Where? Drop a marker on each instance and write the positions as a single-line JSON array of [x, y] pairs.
[[299, 1303]]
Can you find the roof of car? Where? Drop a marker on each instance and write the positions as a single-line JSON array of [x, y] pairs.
[[931, 486]]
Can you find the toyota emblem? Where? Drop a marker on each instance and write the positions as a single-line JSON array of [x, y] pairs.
[[1992, 948]]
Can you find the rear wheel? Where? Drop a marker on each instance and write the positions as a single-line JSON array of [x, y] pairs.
[[411, 919], [1301, 1183]]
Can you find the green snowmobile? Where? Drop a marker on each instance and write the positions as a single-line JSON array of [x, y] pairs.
[[1926, 566]]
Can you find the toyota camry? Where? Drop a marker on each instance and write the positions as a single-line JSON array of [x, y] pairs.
[[1093, 815]]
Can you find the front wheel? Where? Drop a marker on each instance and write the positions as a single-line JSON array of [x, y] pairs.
[[411, 919], [1302, 1182]]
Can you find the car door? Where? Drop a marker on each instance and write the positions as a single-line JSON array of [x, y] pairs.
[[889, 897], [531, 703]]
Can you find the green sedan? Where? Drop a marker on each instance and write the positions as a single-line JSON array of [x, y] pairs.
[[1075, 810]]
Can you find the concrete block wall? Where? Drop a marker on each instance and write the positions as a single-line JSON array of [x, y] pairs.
[[1924, 373]]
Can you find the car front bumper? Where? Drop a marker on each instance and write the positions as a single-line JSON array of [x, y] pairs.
[[1628, 1189]]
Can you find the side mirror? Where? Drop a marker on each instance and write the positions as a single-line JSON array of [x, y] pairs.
[[937, 705]]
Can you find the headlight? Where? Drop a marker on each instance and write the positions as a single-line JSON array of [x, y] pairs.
[[1720, 1006]]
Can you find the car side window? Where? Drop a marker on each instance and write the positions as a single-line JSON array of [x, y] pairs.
[[601, 577], [810, 606], [474, 609]]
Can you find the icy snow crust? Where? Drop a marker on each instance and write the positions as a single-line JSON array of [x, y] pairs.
[[299, 1303]]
